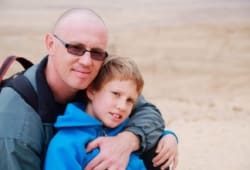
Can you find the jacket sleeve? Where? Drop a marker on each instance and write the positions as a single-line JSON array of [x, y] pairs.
[[146, 122], [16, 155], [20, 133]]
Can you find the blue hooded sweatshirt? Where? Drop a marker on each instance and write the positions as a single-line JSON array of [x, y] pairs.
[[76, 129]]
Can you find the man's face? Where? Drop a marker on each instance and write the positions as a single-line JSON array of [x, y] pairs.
[[77, 72]]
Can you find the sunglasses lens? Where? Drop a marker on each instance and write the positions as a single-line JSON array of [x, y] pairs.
[[75, 50], [98, 55]]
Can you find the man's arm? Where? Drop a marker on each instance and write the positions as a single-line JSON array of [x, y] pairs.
[[147, 123], [20, 133], [114, 151], [16, 155]]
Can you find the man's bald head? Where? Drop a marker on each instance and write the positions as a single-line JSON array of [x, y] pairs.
[[76, 15]]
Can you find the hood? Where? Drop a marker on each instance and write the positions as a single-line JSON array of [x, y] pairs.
[[75, 116]]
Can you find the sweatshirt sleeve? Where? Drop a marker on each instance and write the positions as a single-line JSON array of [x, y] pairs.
[[64, 152], [146, 121]]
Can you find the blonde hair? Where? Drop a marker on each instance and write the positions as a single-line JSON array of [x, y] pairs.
[[121, 68]]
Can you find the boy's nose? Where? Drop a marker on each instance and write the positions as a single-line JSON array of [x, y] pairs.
[[121, 104]]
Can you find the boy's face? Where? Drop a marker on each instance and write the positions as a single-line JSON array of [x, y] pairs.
[[113, 103]]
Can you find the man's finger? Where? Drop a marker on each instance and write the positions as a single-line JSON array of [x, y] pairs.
[[160, 159], [167, 163], [93, 163], [93, 144]]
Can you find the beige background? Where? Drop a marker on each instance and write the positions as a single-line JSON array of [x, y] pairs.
[[194, 55]]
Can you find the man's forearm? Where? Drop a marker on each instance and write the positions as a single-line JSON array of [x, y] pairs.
[[147, 123], [133, 140]]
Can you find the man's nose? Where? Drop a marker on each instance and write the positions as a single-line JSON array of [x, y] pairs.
[[86, 59]]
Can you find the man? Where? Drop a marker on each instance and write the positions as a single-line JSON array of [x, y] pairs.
[[76, 51]]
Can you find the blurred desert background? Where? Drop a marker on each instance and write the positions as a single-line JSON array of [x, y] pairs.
[[194, 55]]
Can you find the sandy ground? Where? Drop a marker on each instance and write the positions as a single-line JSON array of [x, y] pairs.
[[194, 55]]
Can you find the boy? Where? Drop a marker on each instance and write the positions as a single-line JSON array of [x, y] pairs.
[[111, 98]]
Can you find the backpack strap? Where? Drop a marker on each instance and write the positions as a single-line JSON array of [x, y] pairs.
[[8, 62], [18, 81], [24, 88]]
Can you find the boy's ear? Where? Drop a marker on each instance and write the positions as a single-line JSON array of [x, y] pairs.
[[90, 93]]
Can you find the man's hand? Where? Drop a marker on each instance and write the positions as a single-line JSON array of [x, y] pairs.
[[114, 151], [167, 152]]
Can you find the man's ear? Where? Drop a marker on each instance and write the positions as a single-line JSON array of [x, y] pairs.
[[50, 43], [90, 93]]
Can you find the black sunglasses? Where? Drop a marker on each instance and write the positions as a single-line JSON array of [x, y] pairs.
[[79, 50]]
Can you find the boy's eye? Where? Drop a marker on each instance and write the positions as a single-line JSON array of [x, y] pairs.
[[131, 101], [116, 93]]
